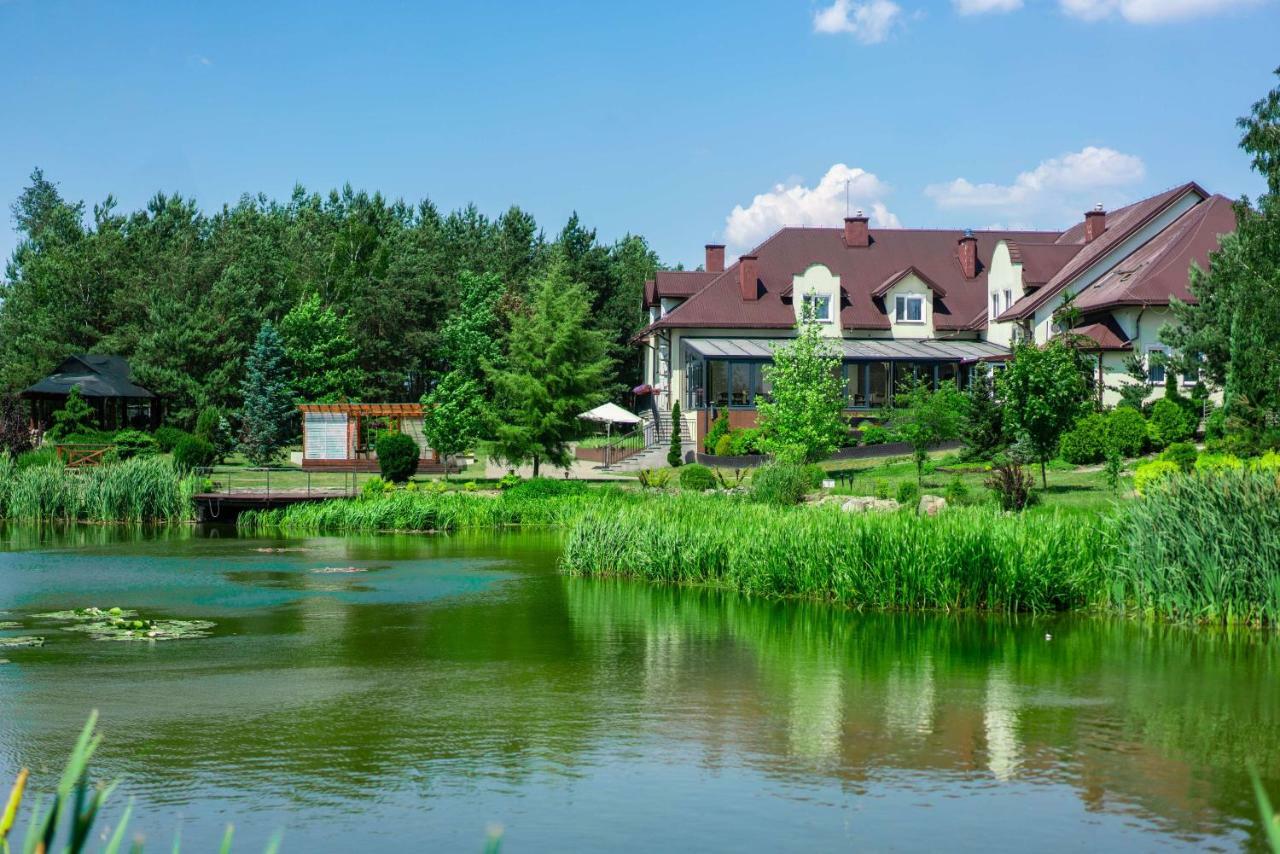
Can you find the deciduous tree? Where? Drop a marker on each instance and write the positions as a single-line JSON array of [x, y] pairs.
[[1042, 390], [803, 421]]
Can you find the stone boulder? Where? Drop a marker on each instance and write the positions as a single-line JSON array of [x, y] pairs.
[[866, 504], [931, 504]]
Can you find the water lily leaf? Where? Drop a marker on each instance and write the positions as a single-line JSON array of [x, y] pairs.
[[86, 614], [335, 570], [21, 640]]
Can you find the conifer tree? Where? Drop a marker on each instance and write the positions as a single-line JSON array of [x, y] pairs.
[[555, 367], [268, 399]]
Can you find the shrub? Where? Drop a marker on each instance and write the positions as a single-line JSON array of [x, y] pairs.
[[1214, 463], [675, 456], [374, 487], [1182, 454], [1169, 423], [908, 493], [15, 432], [874, 435], [957, 492], [132, 443], [547, 487], [192, 453], [719, 429], [1215, 426], [1086, 442], [1011, 484], [215, 428], [397, 457], [882, 489], [723, 446], [1150, 474], [697, 478], [470, 486], [167, 438], [781, 484], [1270, 461], [654, 478], [1113, 468], [76, 416], [508, 480], [744, 442], [1127, 431]]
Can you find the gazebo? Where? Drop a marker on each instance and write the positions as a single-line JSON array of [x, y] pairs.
[[106, 383], [342, 436], [610, 414]]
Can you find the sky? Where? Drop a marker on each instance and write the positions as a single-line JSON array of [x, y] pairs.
[[685, 122]]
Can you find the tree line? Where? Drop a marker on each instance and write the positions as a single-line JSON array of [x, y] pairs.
[[361, 289]]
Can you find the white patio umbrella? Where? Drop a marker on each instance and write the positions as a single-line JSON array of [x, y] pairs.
[[609, 414]]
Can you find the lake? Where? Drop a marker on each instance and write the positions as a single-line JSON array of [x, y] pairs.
[[460, 683]]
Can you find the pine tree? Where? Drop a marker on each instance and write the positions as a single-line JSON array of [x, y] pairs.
[[75, 416], [983, 430], [555, 367], [268, 399]]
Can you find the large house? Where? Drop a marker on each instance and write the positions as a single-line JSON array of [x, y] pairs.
[[925, 303]]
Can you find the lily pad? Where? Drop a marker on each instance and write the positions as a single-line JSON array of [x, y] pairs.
[[21, 640], [9, 624], [88, 614], [283, 550], [144, 630], [338, 570]]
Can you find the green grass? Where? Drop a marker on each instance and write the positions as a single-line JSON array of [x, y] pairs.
[[968, 558], [448, 511], [147, 489]]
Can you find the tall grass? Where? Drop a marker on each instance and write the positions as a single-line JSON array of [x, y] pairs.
[[1204, 548], [423, 511], [146, 489], [963, 559]]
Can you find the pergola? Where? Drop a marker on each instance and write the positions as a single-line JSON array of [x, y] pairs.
[[342, 435]]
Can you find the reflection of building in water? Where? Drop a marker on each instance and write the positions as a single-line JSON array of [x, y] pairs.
[[909, 697], [663, 646], [1000, 721], [817, 710]]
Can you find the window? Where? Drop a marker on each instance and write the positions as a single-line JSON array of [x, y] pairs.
[[718, 383], [995, 305], [818, 306], [909, 308], [878, 383], [1155, 365], [856, 385], [740, 385], [1008, 299], [1191, 377]]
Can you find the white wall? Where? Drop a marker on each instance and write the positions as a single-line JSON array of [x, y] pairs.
[[1003, 275], [910, 285], [820, 281]]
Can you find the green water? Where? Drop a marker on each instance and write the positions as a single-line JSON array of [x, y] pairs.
[[460, 683]]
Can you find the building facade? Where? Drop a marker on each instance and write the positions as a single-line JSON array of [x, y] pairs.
[[926, 304]]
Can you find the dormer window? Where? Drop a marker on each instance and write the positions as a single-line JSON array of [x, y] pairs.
[[909, 308], [818, 307]]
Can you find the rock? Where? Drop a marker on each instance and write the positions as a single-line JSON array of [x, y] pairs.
[[931, 504], [864, 504]]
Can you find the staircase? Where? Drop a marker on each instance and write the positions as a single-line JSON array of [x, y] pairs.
[[657, 431]]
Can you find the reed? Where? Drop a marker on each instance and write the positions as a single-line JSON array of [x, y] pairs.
[[966, 558], [1205, 548], [425, 511], [144, 489]]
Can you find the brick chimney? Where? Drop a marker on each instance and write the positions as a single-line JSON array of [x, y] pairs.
[[967, 251], [748, 277], [715, 258], [855, 231], [1095, 222]]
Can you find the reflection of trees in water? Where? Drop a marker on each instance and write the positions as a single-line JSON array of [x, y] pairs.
[[1160, 718]]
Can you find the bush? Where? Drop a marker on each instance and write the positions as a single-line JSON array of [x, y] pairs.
[[1086, 442], [780, 484], [1270, 461], [374, 487], [167, 438], [192, 453], [1170, 422], [882, 489], [957, 492], [215, 428], [1182, 454], [1011, 484], [509, 480], [397, 457], [1149, 474], [874, 435], [547, 487], [697, 478], [675, 454], [744, 442], [1214, 463], [1215, 426], [723, 446], [1127, 431], [908, 493], [719, 429], [132, 443], [76, 416]]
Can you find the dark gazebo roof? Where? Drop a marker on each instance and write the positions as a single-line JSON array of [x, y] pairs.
[[95, 375]]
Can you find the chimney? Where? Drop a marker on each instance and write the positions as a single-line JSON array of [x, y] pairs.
[[967, 250], [715, 258], [748, 277], [1095, 222], [855, 231]]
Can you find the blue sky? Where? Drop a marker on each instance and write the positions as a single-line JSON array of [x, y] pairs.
[[686, 122]]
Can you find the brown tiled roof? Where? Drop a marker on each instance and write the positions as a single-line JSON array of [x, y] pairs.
[[678, 284], [1105, 333], [1041, 261], [1120, 225], [1161, 269], [885, 286], [861, 270]]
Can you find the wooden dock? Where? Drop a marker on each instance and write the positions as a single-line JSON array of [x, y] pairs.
[[226, 507]]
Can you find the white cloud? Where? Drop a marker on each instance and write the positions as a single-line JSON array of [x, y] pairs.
[[981, 7], [1149, 11], [822, 205], [869, 21], [1058, 186]]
